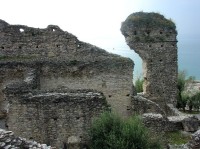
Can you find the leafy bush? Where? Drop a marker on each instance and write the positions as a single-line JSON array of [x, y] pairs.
[[110, 132], [139, 85], [192, 99]]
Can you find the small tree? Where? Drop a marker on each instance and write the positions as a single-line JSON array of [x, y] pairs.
[[182, 99], [186, 97], [181, 80], [194, 101], [139, 85]]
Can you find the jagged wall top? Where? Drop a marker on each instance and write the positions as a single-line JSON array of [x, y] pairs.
[[19, 42]]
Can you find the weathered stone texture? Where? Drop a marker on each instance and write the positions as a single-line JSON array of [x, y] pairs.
[[8, 75], [159, 123], [195, 141], [61, 60], [155, 122], [141, 105], [154, 38], [103, 76], [9, 141], [54, 117], [190, 124]]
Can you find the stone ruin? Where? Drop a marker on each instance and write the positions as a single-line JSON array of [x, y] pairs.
[[52, 85], [9, 140], [154, 38]]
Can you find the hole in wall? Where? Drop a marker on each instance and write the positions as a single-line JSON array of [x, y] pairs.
[[53, 30], [148, 32], [149, 45], [31, 138], [109, 96], [173, 45], [57, 46], [2, 47], [6, 126], [161, 32], [128, 108], [160, 60], [55, 119], [21, 30], [127, 95], [162, 45], [77, 117], [20, 47], [36, 46], [135, 32]]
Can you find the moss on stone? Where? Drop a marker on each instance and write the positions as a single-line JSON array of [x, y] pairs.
[[150, 20], [177, 137]]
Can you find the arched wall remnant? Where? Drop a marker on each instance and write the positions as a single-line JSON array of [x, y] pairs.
[[153, 37]]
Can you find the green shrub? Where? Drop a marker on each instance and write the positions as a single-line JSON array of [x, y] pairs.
[[192, 99], [182, 97], [139, 85], [110, 132]]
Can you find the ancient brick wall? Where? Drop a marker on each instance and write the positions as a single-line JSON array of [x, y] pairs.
[[54, 117], [61, 60], [103, 76], [9, 75], [154, 38]]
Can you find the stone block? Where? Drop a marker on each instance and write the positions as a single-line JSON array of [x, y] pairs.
[[190, 124]]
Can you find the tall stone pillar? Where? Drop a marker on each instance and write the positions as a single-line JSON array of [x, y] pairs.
[[153, 37]]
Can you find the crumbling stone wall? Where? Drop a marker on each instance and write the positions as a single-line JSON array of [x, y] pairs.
[[8, 75], [9, 140], [158, 123], [141, 105], [154, 38], [62, 61], [53, 117]]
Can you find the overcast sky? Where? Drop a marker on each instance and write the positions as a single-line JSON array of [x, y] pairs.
[[98, 21]]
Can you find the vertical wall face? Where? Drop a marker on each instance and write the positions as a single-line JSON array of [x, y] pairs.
[[67, 62], [8, 75], [54, 118], [102, 75], [154, 38]]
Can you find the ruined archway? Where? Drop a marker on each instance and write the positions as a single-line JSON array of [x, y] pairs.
[[154, 38]]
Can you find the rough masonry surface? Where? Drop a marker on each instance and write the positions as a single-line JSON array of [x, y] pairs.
[[60, 60], [52, 85], [154, 38]]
